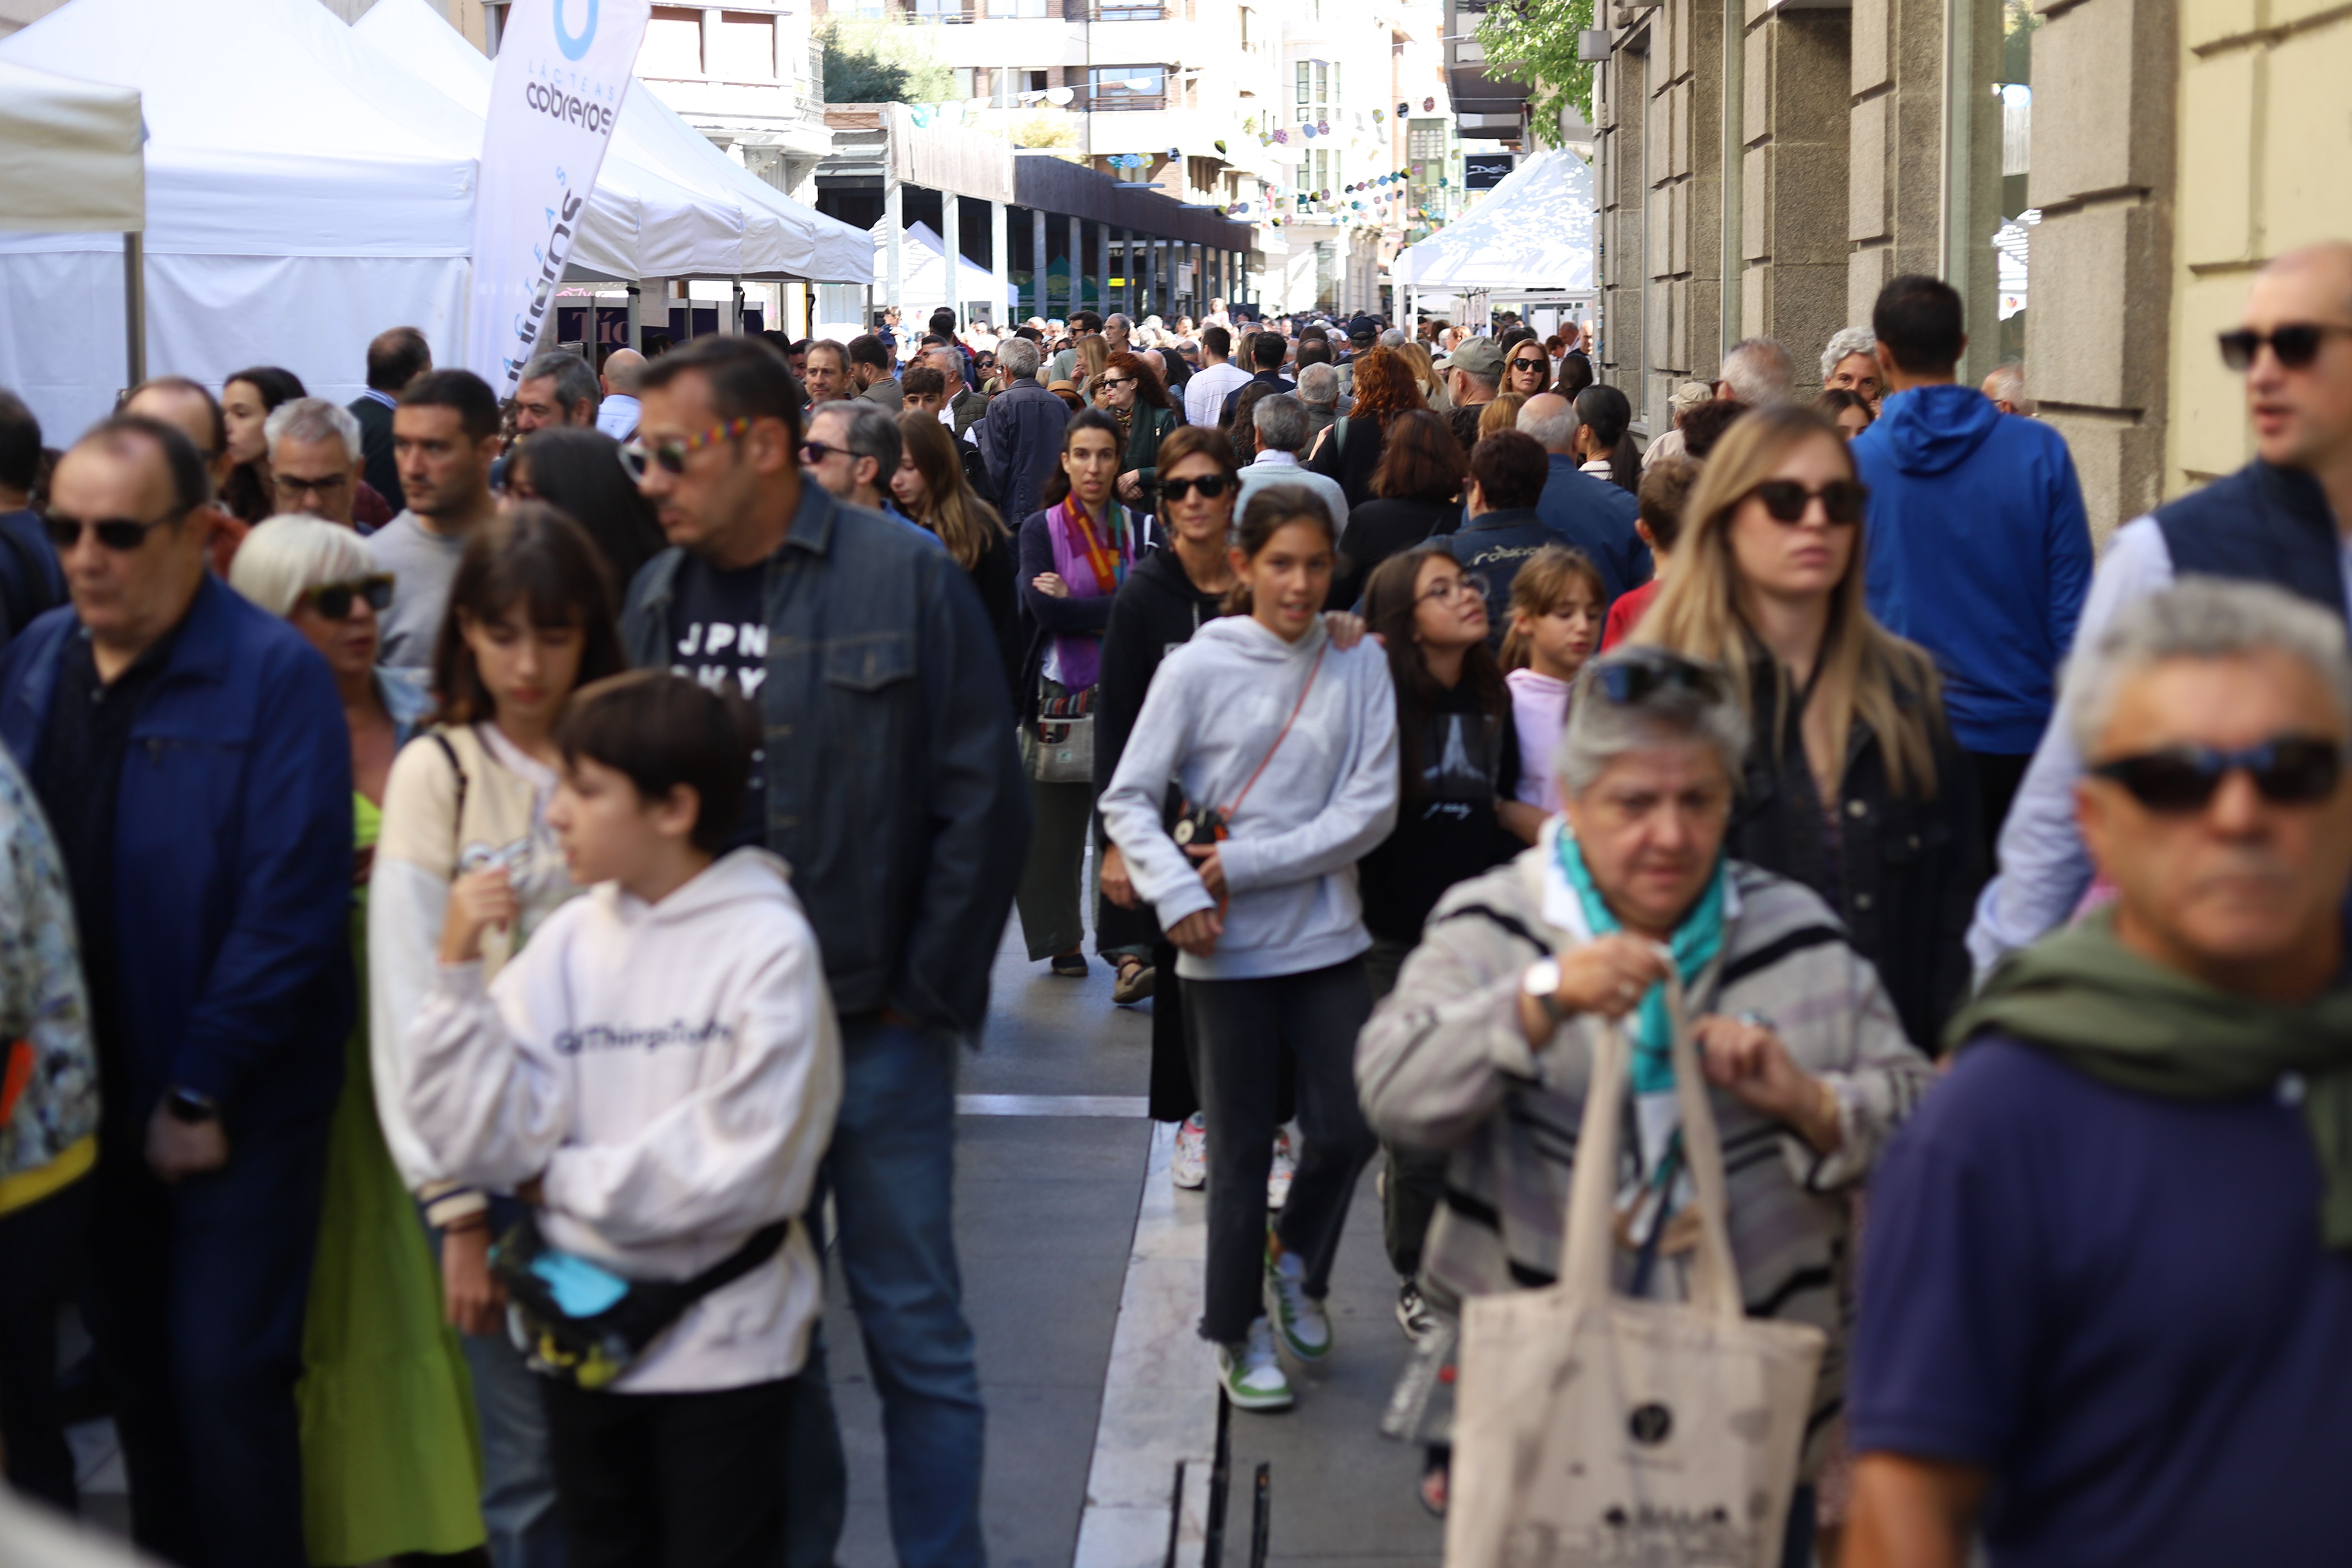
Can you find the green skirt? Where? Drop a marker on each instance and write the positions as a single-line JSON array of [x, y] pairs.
[[392, 1461]]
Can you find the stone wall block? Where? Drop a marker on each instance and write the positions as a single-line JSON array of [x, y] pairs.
[[2097, 329], [2217, 199], [2117, 464], [2307, 178], [1678, 105], [1873, 64], [1657, 220], [2098, 66], [2204, 22], [1678, 215], [1756, 91], [1868, 269], [1756, 203], [1868, 213]]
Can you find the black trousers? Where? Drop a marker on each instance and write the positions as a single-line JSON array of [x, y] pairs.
[[1243, 1031], [1416, 1183], [41, 1252], [1997, 777], [671, 1480]]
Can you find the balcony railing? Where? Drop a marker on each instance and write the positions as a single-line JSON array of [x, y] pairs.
[[1114, 102], [955, 13]]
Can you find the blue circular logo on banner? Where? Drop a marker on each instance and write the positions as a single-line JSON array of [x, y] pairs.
[[574, 48]]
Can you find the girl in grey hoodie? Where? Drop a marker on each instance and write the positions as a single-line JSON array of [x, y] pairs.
[[1292, 739]]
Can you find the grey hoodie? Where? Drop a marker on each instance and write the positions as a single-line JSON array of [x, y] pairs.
[[1327, 796]]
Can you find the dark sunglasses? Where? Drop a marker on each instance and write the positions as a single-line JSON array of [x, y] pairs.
[[120, 534], [812, 452], [1110, 380], [2296, 345], [2291, 770], [1209, 485], [1529, 364], [333, 601], [1786, 499], [1634, 678]]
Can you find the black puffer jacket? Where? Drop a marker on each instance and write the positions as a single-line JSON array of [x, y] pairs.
[[1904, 872]]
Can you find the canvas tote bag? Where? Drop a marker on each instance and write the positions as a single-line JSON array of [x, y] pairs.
[[1597, 1429]]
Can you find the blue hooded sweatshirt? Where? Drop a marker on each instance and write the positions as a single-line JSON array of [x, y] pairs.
[[1979, 552]]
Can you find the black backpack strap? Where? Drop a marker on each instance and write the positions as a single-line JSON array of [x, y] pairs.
[[441, 739]]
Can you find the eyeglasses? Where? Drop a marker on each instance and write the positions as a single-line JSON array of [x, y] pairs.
[[1445, 588], [1107, 383], [672, 455], [288, 485], [1634, 678], [1211, 486], [2288, 770], [333, 601], [120, 534], [812, 452], [1786, 499], [2296, 347]]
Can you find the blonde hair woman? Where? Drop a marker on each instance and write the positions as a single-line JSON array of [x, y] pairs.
[[1854, 785], [1425, 376], [1093, 358]]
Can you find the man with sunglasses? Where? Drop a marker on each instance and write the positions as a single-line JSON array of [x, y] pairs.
[[892, 787], [2108, 1274], [1979, 548], [190, 754], [2280, 520]]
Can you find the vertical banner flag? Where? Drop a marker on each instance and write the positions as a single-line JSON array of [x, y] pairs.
[[563, 68]]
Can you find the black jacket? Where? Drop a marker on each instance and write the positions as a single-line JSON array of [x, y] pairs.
[[1904, 872], [1380, 528], [1272, 378], [375, 449], [1349, 454]]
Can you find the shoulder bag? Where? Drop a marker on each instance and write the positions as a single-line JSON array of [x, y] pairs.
[[1593, 1428]]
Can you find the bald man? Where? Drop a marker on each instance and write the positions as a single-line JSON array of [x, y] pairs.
[[617, 416], [2283, 519], [190, 408]]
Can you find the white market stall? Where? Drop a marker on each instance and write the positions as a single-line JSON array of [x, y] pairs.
[[70, 162], [1529, 241], [923, 266]]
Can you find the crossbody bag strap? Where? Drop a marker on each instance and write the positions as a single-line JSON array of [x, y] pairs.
[[1296, 709], [441, 739]]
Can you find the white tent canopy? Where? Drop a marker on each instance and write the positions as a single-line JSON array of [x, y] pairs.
[[922, 270], [701, 214], [1533, 233], [69, 154]]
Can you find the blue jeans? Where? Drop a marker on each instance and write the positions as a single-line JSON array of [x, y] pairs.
[[517, 1477], [892, 1170]]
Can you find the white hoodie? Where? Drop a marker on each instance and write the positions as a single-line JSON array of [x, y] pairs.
[[671, 1072], [1328, 797]]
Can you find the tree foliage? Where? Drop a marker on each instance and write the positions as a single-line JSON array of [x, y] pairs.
[[883, 61], [1535, 41]]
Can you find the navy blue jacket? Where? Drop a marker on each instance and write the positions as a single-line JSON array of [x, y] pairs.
[[2261, 524], [1021, 441], [232, 859], [1980, 552], [1596, 517], [1490, 548], [894, 789]]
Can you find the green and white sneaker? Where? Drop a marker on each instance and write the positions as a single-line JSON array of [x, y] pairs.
[[1250, 1374], [1298, 1317]]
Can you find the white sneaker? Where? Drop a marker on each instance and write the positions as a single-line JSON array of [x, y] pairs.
[[1414, 1314], [1251, 1374], [1189, 1166], [1306, 1331], [1279, 1175]]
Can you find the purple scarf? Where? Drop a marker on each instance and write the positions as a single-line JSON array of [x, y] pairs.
[[1080, 654]]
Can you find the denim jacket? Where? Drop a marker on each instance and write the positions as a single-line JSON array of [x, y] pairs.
[[894, 790]]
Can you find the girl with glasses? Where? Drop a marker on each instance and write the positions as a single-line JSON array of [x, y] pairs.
[[1074, 555], [530, 621], [1854, 785], [387, 1426]]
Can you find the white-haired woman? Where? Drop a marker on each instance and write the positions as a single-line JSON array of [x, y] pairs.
[[1850, 363], [1485, 1048], [388, 1465]]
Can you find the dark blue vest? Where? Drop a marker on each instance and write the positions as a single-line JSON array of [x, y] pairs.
[[2261, 524]]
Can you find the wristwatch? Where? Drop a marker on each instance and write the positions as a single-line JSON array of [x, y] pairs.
[[187, 1105], [1541, 982]]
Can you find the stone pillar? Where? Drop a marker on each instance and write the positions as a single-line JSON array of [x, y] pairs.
[[951, 248], [999, 265], [2099, 267], [1894, 182], [1038, 260], [1682, 235], [1798, 103]]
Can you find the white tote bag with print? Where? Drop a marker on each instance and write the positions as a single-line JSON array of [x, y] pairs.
[[1597, 1429]]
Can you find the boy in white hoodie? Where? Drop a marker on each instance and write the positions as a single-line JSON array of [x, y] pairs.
[[658, 1072]]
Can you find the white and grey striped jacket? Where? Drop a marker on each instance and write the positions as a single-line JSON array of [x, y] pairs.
[[1444, 1065]]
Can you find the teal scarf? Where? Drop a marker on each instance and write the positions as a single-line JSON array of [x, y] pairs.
[[1698, 940]]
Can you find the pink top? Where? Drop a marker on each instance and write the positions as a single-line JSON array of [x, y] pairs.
[[1540, 711]]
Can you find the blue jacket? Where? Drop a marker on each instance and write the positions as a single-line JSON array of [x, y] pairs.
[[1979, 552], [1022, 439], [894, 789], [1596, 517], [232, 859], [1490, 548]]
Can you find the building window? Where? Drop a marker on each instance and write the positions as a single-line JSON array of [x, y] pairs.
[[939, 10], [745, 48], [1130, 11], [1028, 9], [1127, 87], [1040, 80], [673, 46]]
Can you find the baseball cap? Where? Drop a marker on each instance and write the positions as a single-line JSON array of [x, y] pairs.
[[1479, 356], [1363, 328]]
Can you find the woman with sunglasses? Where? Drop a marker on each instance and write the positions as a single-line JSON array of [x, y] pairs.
[[1130, 391], [387, 1425], [1074, 556], [246, 399], [1854, 785], [1527, 368], [530, 621]]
